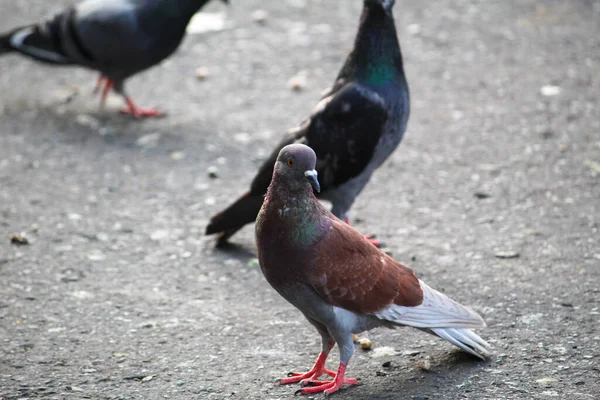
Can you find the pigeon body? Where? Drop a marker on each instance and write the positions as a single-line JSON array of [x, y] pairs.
[[353, 129], [118, 38], [338, 279]]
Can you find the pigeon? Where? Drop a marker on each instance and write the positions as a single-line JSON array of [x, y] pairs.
[[353, 129], [338, 279], [118, 38]]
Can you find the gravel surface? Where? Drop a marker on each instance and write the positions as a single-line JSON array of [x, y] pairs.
[[493, 198]]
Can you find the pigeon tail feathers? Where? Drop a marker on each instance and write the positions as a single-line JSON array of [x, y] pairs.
[[465, 339], [442, 316], [436, 311], [40, 42], [233, 218]]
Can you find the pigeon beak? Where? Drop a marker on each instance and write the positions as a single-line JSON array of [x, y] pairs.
[[311, 175]]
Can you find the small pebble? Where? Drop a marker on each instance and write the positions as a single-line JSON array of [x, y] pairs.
[[506, 254], [19, 239], [260, 17], [177, 155], [212, 172], [355, 338], [202, 73], [482, 195], [550, 90], [424, 364], [545, 381], [365, 343], [298, 82]]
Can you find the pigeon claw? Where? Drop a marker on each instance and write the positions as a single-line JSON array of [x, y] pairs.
[[316, 371], [329, 387], [305, 378], [139, 112], [316, 382]]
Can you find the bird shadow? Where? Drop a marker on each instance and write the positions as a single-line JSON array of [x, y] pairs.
[[234, 250], [451, 368]]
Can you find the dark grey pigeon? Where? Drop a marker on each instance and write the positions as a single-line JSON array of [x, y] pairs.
[[118, 38], [353, 129], [339, 280]]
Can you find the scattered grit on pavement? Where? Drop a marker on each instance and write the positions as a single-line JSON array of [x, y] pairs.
[[493, 198]]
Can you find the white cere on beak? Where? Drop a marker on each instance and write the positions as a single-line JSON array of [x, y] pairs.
[[312, 172]]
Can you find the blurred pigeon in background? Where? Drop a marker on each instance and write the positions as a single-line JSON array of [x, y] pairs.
[[353, 129], [118, 38]]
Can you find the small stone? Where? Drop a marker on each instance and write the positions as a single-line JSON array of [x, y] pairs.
[[19, 239], [298, 82], [424, 364], [365, 343], [355, 338], [147, 378], [380, 373], [506, 254], [177, 155], [148, 141], [74, 216], [96, 255], [212, 172], [260, 16], [384, 351], [387, 364], [253, 263], [203, 22], [546, 381], [202, 73], [482, 195], [159, 234], [549, 90], [413, 29], [101, 237]]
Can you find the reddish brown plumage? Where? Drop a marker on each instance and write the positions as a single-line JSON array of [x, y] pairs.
[[351, 273]]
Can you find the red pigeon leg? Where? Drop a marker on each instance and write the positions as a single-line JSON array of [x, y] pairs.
[[108, 85], [99, 82], [329, 387], [316, 371], [370, 238], [138, 112]]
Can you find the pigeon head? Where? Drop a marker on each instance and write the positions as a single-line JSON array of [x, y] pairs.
[[296, 167], [386, 4]]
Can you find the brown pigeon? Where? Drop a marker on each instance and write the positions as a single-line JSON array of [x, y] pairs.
[[341, 282]]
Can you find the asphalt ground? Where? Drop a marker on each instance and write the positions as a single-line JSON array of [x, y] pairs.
[[493, 198]]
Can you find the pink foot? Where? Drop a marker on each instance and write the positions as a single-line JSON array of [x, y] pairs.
[[329, 387], [138, 112], [316, 371], [370, 238]]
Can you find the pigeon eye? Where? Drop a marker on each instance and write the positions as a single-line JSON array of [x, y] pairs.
[[291, 162]]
